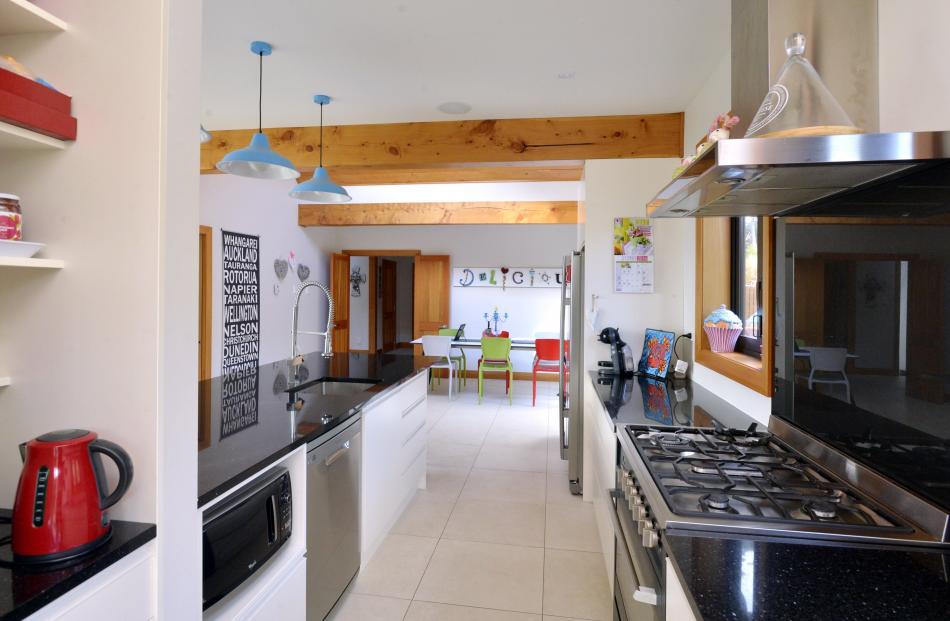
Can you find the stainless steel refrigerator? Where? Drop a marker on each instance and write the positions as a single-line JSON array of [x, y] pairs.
[[571, 399]]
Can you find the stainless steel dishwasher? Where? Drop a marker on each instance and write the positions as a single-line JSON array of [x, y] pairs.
[[333, 517]]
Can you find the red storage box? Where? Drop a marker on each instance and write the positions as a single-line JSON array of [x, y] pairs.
[[34, 92], [32, 106]]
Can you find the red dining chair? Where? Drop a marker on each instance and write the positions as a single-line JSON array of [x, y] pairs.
[[547, 359]]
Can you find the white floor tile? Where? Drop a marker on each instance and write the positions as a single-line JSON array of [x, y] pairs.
[[504, 485], [492, 521], [451, 454], [501, 457], [360, 607], [396, 568], [485, 575], [445, 481], [425, 516], [575, 585], [430, 611], [571, 527]]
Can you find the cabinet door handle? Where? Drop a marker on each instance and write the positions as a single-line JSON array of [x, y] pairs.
[[413, 434], [412, 407], [645, 595], [338, 454]]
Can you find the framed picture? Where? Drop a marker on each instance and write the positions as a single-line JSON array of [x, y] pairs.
[[657, 351]]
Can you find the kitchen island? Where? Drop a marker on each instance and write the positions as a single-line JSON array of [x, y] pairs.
[[345, 436], [249, 421]]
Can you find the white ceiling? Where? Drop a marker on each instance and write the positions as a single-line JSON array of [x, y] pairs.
[[397, 60]]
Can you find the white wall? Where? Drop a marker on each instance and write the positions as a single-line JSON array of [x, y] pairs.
[[257, 207], [359, 306], [534, 310], [108, 343], [622, 188], [914, 81]]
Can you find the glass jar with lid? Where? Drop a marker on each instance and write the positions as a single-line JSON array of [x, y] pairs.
[[11, 219]]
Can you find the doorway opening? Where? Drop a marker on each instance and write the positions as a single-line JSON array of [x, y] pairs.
[[387, 298]]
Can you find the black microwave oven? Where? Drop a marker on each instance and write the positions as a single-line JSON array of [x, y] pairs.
[[241, 533]]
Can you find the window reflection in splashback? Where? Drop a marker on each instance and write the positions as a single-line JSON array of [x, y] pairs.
[[863, 349]]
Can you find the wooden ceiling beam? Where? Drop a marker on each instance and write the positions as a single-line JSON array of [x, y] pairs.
[[490, 142], [383, 214], [572, 170]]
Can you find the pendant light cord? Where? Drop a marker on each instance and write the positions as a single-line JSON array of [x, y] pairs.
[[260, 94], [321, 135]]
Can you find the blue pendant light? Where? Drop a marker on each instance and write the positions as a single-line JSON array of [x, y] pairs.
[[320, 188], [257, 160]]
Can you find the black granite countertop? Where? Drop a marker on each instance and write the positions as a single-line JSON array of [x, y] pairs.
[[677, 402], [757, 580], [24, 590], [245, 424]]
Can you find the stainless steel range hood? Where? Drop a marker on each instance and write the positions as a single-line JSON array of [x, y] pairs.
[[902, 174]]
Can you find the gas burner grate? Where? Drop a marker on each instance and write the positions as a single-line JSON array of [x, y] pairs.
[[745, 474]]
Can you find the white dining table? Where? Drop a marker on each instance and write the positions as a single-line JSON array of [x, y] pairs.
[[517, 344]]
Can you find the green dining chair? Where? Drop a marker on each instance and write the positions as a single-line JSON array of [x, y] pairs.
[[496, 356], [456, 355]]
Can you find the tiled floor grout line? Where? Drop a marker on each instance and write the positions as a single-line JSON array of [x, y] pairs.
[[502, 400], [454, 504]]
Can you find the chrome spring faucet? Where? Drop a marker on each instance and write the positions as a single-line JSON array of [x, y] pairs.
[[327, 341]]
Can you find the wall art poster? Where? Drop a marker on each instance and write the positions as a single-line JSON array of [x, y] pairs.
[[633, 255], [508, 277], [241, 312]]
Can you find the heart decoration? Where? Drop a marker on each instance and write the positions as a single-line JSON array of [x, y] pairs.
[[280, 268], [303, 272]]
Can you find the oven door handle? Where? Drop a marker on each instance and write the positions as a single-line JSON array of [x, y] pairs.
[[642, 594]]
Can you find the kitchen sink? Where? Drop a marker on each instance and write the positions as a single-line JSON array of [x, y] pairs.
[[329, 387]]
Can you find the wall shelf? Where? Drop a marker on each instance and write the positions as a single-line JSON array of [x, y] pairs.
[[5, 381], [19, 139], [23, 17], [52, 264]]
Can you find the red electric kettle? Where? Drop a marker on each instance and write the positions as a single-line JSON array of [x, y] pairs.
[[62, 496]]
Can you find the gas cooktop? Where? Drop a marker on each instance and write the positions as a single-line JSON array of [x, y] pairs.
[[719, 478]]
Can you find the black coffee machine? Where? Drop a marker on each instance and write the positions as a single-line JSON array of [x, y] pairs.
[[621, 356]]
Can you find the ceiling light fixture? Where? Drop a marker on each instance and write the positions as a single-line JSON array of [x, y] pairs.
[[320, 188], [257, 160], [455, 107]]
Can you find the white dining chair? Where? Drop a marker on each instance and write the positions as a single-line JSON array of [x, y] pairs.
[[440, 347], [827, 367]]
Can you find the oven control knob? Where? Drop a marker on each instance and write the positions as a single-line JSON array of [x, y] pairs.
[[650, 537], [639, 512], [637, 500]]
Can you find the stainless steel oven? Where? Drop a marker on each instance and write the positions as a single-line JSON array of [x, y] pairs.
[[639, 560]]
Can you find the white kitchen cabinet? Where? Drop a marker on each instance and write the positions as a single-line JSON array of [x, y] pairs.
[[123, 590], [677, 604], [285, 597], [600, 461], [394, 459]]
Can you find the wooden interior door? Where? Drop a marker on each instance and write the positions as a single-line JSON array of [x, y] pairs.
[[340, 287], [810, 301], [925, 331], [430, 296], [388, 304], [204, 335]]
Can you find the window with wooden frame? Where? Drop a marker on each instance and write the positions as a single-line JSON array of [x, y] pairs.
[[746, 282], [720, 281]]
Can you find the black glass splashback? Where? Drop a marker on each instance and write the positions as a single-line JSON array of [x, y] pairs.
[[862, 345]]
